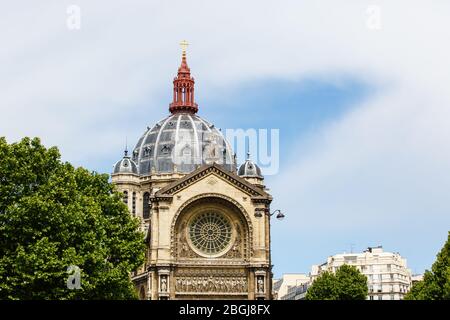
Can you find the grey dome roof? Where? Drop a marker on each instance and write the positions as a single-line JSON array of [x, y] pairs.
[[249, 169], [125, 165], [183, 140]]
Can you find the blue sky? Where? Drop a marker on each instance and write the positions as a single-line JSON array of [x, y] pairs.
[[363, 109]]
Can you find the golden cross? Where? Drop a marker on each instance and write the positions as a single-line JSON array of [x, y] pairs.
[[184, 45]]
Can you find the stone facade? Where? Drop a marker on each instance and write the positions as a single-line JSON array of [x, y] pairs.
[[174, 267]]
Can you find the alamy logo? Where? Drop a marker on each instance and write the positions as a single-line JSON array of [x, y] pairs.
[[73, 17], [74, 278], [262, 144], [373, 21]]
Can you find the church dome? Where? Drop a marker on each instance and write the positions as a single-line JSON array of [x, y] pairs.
[[125, 165], [249, 169], [182, 141]]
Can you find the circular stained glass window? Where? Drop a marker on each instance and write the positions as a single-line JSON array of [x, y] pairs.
[[210, 232]]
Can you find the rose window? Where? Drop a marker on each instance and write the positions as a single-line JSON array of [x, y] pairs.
[[210, 233]]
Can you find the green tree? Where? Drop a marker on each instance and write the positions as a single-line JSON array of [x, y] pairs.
[[53, 216], [436, 283], [351, 284], [323, 288], [347, 284]]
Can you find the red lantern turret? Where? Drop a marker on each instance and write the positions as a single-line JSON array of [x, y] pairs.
[[183, 87]]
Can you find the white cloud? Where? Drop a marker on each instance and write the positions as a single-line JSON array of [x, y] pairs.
[[82, 90]]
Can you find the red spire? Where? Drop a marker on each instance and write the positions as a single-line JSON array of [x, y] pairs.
[[183, 87]]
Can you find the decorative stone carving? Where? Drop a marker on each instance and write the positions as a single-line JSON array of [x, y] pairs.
[[210, 284], [184, 250], [236, 250], [220, 172], [211, 281], [177, 242]]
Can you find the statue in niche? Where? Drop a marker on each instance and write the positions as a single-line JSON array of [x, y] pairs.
[[260, 285], [163, 284]]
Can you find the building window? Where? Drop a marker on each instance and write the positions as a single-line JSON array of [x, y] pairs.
[[211, 233], [146, 205], [370, 288], [125, 197], [392, 297], [388, 267], [380, 297], [371, 297], [133, 203]]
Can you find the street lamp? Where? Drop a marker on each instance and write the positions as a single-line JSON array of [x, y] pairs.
[[258, 213]]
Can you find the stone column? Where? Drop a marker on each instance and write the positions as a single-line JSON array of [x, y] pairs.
[[251, 285], [149, 285]]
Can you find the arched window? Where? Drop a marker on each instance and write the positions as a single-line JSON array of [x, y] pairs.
[[146, 206], [133, 203], [125, 197]]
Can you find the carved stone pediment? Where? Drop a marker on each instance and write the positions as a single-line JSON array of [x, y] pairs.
[[256, 194]]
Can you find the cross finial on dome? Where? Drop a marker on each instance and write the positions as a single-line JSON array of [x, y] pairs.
[[248, 155], [184, 44], [184, 67], [126, 147]]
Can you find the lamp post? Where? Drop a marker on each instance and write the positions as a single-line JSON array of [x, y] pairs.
[[258, 213], [280, 216]]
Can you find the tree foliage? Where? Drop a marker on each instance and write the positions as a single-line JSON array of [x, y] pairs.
[[323, 288], [436, 283], [347, 284], [52, 216]]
